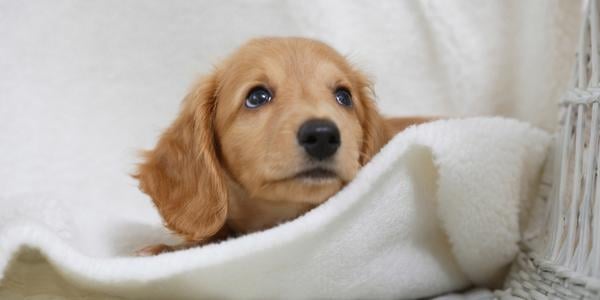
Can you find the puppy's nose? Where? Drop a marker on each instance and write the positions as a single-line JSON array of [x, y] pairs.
[[320, 138]]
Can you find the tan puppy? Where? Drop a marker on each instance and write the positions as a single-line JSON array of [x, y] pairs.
[[276, 129]]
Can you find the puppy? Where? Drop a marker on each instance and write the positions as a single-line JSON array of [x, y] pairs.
[[276, 129]]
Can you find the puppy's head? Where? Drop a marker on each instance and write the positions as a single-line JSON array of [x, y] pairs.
[[284, 119]]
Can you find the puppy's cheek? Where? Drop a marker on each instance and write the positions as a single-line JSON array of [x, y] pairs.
[[348, 160], [243, 169], [349, 171]]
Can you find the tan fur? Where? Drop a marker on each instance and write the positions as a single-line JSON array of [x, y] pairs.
[[223, 168]]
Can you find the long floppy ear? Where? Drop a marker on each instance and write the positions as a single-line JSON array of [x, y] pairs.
[[374, 128], [182, 173]]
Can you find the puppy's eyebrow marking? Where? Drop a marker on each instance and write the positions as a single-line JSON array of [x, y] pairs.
[[340, 83]]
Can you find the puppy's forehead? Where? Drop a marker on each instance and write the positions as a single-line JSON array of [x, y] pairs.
[[284, 57]]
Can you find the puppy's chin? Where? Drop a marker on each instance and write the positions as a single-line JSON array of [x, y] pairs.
[[302, 189], [317, 181]]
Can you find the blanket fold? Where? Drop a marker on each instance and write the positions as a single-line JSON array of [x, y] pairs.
[[435, 211]]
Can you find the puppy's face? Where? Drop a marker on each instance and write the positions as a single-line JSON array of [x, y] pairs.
[[283, 120], [288, 119]]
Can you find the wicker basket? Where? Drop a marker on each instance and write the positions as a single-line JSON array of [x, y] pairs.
[[563, 260]]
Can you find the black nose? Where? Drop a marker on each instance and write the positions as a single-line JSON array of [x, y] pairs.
[[320, 138]]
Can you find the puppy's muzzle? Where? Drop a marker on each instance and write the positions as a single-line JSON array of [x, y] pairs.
[[319, 138]]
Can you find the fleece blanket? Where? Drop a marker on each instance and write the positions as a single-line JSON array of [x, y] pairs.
[[435, 211]]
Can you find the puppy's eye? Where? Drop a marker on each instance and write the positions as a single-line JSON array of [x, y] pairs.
[[343, 97], [257, 97]]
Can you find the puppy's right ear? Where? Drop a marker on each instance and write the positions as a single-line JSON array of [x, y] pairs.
[[182, 173], [372, 123]]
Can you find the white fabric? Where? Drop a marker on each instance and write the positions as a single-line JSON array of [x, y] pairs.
[[435, 211], [85, 84]]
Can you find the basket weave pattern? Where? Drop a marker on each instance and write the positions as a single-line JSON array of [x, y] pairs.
[[567, 264]]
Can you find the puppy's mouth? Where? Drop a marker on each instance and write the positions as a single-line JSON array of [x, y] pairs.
[[316, 174]]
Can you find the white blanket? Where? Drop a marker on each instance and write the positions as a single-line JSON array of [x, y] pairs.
[[437, 210]]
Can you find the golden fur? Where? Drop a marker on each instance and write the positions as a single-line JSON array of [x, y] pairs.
[[222, 168]]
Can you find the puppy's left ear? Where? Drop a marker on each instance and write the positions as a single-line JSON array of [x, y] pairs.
[[375, 134], [183, 175]]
